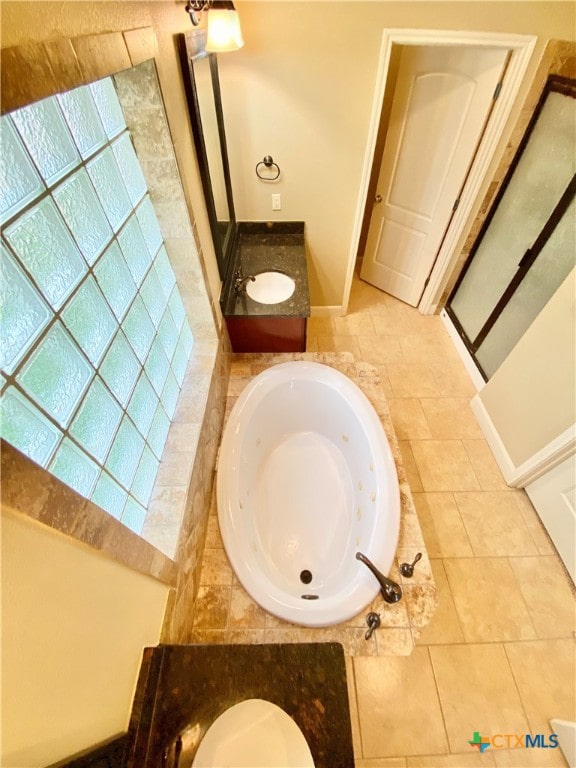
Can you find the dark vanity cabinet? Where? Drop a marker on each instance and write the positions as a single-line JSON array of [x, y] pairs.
[[257, 327], [183, 689], [112, 753], [267, 334]]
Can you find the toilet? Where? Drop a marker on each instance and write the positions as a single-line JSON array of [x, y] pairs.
[[253, 734]]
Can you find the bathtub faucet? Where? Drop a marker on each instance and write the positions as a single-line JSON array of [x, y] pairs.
[[240, 281], [391, 592]]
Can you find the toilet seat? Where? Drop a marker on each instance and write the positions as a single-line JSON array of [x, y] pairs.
[[253, 734]]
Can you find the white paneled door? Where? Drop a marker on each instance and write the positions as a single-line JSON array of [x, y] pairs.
[[554, 496], [441, 103]]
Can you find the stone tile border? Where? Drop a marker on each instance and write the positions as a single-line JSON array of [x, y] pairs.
[[225, 613], [29, 490], [65, 63]]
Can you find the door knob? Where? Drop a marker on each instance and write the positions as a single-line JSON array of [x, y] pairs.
[[378, 199]]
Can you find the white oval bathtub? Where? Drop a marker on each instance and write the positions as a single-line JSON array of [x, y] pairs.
[[306, 479]]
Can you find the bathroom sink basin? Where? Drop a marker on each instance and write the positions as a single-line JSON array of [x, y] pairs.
[[253, 734], [270, 287]]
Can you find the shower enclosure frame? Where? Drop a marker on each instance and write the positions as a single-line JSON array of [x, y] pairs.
[[554, 83]]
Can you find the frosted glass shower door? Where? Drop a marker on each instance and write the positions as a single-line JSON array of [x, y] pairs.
[[526, 247], [553, 265]]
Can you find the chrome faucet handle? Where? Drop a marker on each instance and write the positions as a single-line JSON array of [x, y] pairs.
[[407, 569]]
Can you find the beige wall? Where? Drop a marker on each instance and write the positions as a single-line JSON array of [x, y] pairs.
[[531, 399], [74, 624], [301, 90]]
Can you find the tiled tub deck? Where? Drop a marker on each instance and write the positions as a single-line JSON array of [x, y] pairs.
[[224, 612]]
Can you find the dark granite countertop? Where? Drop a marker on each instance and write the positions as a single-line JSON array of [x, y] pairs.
[[182, 689], [262, 247]]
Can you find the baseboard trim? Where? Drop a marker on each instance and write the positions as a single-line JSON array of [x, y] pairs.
[[566, 732], [548, 457], [465, 356], [327, 311]]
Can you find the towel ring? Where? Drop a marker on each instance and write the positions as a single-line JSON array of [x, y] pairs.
[[268, 162]]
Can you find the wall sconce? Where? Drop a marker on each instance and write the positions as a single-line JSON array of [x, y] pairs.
[[223, 33]]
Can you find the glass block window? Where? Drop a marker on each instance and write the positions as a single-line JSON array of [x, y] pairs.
[[94, 340]]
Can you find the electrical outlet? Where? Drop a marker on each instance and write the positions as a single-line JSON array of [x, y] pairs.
[[276, 203]]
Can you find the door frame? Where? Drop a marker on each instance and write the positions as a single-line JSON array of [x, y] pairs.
[[521, 49]]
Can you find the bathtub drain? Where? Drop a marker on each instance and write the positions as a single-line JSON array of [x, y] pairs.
[[305, 577]]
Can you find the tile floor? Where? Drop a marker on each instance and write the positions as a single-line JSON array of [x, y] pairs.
[[498, 655]]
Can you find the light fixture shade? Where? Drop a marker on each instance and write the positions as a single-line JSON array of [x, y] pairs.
[[224, 33]]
